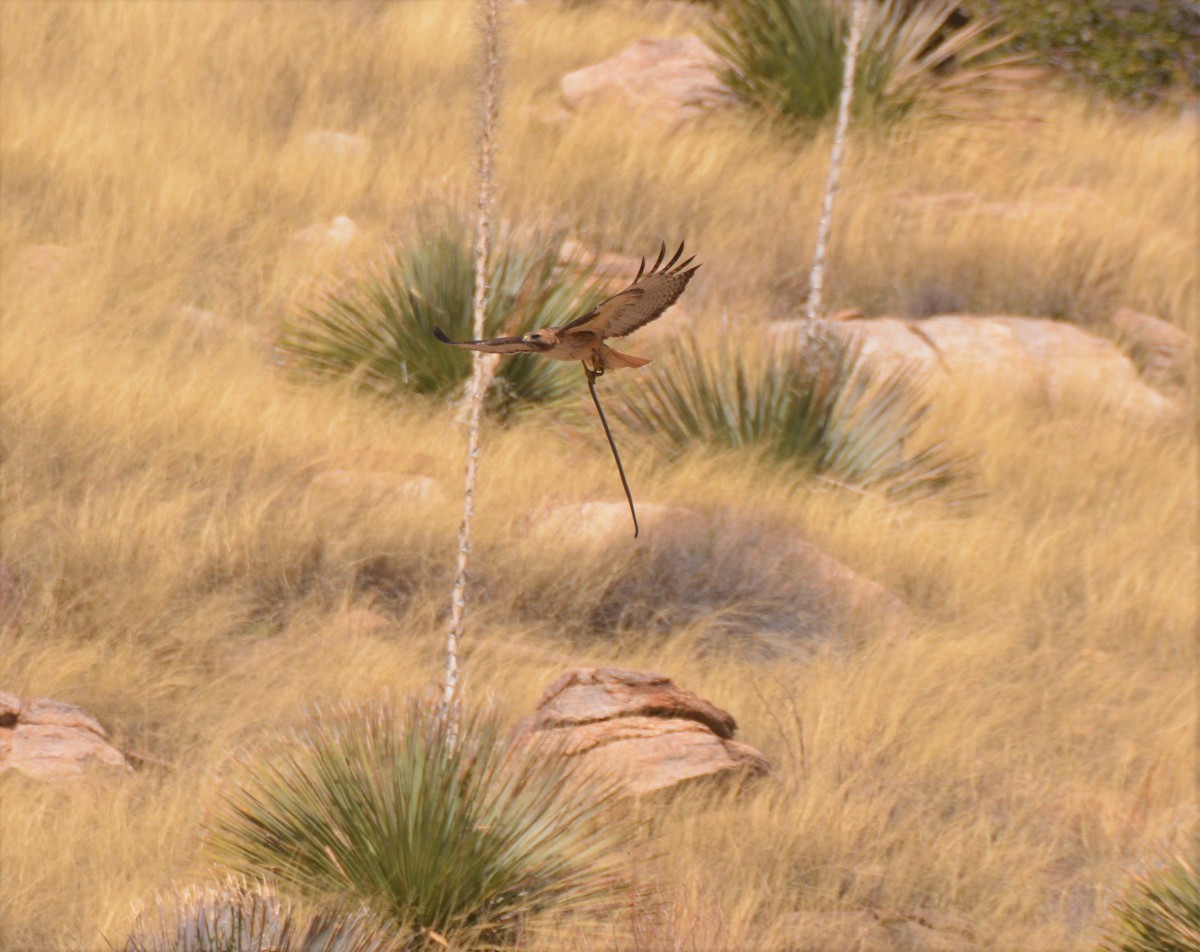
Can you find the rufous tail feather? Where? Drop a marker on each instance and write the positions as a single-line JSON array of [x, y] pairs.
[[615, 358]]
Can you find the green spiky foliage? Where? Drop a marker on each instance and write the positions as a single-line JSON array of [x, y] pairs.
[[1160, 912], [1141, 51], [239, 916], [822, 409], [378, 328], [785, 57], [449, 829]]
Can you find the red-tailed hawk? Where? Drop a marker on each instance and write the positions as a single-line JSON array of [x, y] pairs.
[[651, 293]]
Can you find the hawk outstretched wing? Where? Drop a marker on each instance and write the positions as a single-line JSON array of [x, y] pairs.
[[651, 293], [497, 345]]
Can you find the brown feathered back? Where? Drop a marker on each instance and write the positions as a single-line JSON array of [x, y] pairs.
[[651, 293]]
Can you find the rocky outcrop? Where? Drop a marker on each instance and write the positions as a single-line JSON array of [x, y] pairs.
[[671, 79], [325, 237], [1051, 357], [776, 589], [50, 740], [326, 144], [35, 265], [640, 730], [375, 485], [1164, 351]]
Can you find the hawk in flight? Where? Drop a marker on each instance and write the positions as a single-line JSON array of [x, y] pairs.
[[651, 293]]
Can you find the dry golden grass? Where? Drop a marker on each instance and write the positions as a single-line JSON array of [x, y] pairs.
[[185, 580]]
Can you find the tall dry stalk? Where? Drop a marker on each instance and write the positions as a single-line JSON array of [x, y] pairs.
[[484, 365], [817, 279]]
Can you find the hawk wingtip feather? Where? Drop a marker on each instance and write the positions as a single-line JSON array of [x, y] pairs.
[[670, 264]]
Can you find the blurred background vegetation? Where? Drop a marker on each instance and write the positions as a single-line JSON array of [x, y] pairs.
[[1138, 51]]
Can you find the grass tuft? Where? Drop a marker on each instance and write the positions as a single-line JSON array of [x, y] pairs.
[[1160, 912], [443, 828], [237, 916], [824, 411], [786, 59]]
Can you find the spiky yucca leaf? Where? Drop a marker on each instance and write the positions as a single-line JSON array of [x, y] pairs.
[[1160, 912], [239, 916], [443, 829], [786, 57], [824, 410], [378, 328]]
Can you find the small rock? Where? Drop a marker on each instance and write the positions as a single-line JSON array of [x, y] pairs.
[[846, 314], [416, 488], [363, 621], [576, 254], [601, 521], [344, 146], [50, 740], [674, 78], [698, 566], [638, 728], [918, 202], [1163, 350], [1051, 357], [36, 264], [336, 235]]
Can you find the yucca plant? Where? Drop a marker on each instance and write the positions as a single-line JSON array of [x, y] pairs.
[[785, 56], [240, 916], [822, 409], [378, 328], [1160, 912], [448, 826]]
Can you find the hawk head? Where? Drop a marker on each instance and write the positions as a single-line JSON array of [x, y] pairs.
[[543, 339]]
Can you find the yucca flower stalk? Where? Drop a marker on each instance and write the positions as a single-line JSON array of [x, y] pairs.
[[816, 281], [483, 366], [446, 827]]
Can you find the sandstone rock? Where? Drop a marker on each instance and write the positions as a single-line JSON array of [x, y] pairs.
[[592, 694], [846, 314], [572, 253], [376, 484], [919, 202], [363, 621], [689, 565], [1057, 202], [638, 728], [36, 264], [1163, 350], [50, 740], [607, 265], [323, 237], [342, 146], [674, 78], [1052, 357], [601, 521]]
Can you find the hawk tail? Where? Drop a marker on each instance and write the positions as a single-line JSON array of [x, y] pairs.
[[614, 358]]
